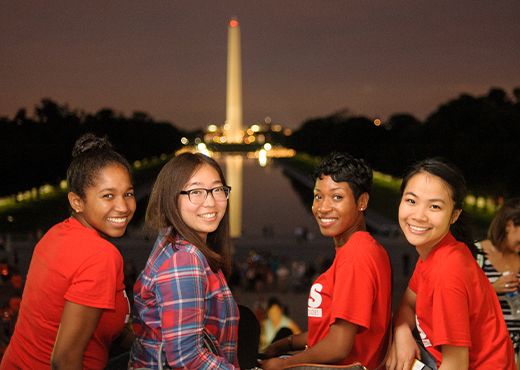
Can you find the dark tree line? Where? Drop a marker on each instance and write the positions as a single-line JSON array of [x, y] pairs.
[[481, 135], [37, 150]]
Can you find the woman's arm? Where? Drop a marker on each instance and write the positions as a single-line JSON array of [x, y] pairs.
[[77, 325], [454, 358], [292, 343], [404, 349], [332, 349], [506, 283]]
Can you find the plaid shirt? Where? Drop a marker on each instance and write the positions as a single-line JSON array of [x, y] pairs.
[[176, 297]]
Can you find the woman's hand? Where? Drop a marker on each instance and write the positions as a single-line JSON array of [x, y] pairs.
[[271, 351], [273, 363], [506, 283], [277, 348], [403, 351]]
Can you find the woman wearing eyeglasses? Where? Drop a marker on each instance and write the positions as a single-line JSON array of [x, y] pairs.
[[184, 313]]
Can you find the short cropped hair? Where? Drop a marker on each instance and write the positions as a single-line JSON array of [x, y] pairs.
[[343, 167]]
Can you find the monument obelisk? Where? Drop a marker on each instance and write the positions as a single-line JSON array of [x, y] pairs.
[[233, 126], [233, 122]]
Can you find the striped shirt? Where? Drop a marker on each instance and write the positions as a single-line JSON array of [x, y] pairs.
[[513, 326], [176, 297]]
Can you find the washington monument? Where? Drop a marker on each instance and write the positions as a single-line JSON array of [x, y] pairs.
[[233, 126], [233, 123]]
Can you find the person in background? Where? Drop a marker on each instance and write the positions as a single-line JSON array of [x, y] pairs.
[[349, 305], [448, 300], [501, 262], [73, 304], [277, 325], [184, 314]]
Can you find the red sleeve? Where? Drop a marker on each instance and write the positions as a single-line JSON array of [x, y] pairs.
[[354, 287], [450, 310], [95, 282], [412, 284]]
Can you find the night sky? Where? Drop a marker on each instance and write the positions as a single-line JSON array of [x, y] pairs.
[[301, 59]]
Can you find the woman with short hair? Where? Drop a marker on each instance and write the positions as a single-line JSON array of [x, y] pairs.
[[349, 305], [501, 262]]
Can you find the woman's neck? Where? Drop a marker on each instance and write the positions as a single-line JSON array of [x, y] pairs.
[[341, 239]]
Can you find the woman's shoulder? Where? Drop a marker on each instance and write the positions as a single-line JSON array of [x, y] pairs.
[[455, 260], [70, 236], [365, 238], [363, 243], [175, 252], [181, 245], [451, 254], [449, 247]]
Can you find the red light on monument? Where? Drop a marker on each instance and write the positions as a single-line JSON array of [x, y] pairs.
[[233, 23]]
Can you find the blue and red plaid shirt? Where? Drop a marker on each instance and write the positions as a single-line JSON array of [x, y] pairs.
[[176, 297]]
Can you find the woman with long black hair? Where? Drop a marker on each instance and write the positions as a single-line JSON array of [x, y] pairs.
[[449, 300]]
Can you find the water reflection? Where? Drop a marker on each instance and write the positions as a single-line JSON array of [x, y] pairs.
[[233, 168], [270, 206]]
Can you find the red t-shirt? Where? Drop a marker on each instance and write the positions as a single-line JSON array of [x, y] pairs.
[[456, 305], [357, 288], [73, 263]]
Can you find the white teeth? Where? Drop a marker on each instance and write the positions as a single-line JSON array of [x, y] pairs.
[[418, 228], [327, 220], [117, 220], [209, 215]]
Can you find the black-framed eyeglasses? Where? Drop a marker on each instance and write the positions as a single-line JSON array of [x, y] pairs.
[[199, 195]]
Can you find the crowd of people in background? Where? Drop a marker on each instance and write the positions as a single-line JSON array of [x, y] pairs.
[[270, 272], [184, 314], [11, 288]]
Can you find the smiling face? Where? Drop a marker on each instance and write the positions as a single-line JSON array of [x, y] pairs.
[[202, 218], [336, 210], [426, 211], [109, 204]]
